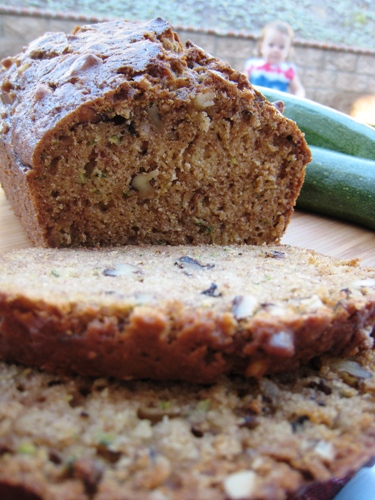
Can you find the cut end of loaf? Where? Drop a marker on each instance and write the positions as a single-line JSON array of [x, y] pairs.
[[176, 148]]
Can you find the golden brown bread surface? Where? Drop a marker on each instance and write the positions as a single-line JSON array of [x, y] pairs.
[[189, 313], [118, 134], [65, 438]]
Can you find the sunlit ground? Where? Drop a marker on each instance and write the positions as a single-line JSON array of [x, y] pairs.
[[363, 110]]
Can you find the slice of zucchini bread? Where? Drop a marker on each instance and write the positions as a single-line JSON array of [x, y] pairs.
[[80, 438], [118, 134], [189, 313]]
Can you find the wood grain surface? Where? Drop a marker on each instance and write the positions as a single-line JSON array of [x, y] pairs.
[[323, 234]]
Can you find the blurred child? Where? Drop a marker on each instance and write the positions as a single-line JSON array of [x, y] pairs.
[[272, 68]]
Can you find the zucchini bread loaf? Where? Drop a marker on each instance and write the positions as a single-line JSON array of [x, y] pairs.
[[181, 312], [77, 438], [118, 134]]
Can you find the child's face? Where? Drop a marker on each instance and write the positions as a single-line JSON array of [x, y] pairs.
[[275, 46]]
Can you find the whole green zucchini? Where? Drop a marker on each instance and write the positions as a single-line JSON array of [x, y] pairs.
[[339, 185], [326, 127]]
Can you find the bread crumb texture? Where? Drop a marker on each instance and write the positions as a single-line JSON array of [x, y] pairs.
[[191, 313], [118, 134], [80, 438]]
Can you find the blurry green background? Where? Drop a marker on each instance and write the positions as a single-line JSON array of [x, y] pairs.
[[349, 22]]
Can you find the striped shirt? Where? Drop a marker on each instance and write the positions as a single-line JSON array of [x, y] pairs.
[[269, 75]]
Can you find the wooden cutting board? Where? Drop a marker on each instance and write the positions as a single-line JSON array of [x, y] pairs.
[[323, 234]]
